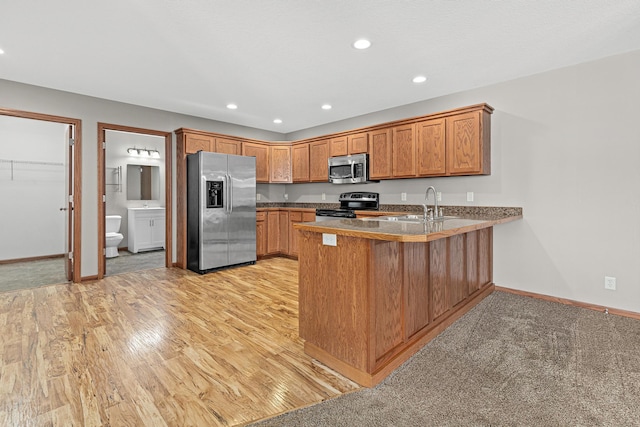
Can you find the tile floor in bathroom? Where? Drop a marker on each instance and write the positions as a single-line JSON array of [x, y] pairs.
[[32, 274]]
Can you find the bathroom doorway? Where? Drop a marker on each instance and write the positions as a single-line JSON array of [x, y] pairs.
[[134, 175], [40, 170]]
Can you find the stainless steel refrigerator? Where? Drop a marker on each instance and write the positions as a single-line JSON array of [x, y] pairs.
[[221, 211]]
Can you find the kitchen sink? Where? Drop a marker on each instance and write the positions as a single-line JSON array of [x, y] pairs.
[[411, 218]]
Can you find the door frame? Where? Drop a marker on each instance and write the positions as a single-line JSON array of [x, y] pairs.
[[102, 192], [76, 205]]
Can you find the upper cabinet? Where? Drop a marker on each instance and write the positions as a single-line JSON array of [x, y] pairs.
[[261, 153], [468, 143], [380, 154], [195, 142], [280, 166], [319, 161], [358, 143], [431, 147], [300, 156], [338, 146], [228, 146], [404, 151]]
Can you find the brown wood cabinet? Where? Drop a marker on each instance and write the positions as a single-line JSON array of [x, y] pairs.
[[261, 233], [366, 325], [194, 143], [227, 146], [318, 161], [404, 151], [358, 143], [380, 154], [338, 146], [431, 147], [301, 163], [296, 217], [273, 232], [468, 148], [261, 153], [280, 166], [283, 225]]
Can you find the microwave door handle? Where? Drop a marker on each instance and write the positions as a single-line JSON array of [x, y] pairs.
[[353, 170]]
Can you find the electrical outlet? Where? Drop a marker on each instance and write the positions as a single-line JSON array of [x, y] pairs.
[[286, 196], [403, 197], [258, 197], [324, 196], [610, 283], [469, 196], [439, 196]]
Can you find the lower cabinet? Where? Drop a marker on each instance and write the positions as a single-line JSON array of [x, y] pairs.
[[261, 233], [146, 229], [275, 234]]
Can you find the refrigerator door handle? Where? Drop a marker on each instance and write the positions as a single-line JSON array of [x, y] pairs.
[[230, 201], [203, 204]]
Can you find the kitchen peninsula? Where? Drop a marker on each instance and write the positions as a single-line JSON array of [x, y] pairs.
[[372, 292]]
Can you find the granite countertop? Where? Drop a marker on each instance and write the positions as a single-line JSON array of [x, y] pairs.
[[376, 229]]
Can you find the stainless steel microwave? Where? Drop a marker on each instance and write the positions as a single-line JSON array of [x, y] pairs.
[[352, 169]]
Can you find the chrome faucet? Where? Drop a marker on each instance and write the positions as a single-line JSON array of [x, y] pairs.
[[435, 213]]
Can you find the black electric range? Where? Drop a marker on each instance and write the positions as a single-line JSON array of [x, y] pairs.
[[349, 203]]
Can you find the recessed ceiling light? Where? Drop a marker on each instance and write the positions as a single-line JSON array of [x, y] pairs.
[[326, 107], [362, 44], [1, 51], [232, 106], [277, 121], [419, 79]]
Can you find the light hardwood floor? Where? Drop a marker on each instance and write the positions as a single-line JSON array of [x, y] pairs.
[[159, 347]]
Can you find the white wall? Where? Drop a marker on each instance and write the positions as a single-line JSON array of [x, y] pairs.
[[565, 147], [91, 111], [116, 155], [32, 223]]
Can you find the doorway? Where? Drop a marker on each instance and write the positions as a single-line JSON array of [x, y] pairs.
[[134, 177], [42, 167]]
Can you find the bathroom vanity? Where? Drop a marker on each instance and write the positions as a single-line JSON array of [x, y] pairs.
[[146, 229]]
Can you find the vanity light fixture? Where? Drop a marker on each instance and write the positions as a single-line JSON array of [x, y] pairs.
[[232, 106], [362, 44], [143, 152], [419, 79]]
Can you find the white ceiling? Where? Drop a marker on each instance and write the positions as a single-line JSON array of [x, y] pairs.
[[285, 58]]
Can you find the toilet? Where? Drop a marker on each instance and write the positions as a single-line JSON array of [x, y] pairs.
[[114, 238]]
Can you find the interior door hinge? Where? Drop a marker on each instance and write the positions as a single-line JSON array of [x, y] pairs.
[[104, 145], [70, 255], [71, 142], [104, 198], [71, 198]]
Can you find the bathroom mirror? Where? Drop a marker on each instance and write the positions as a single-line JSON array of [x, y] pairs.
[[143, 182]]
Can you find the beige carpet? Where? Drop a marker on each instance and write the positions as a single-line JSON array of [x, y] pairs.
[[511, 361]]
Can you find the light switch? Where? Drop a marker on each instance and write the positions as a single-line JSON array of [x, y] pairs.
[[403, 197], [258, 196], [329, 239], [469, 196]]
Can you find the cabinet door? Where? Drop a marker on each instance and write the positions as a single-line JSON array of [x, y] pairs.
[[318, 161], [338, 147], [157, 231], [300, 154], [195, 143], [294, 217], [273, 232], [358, 143], [431, 147], [228, 146], [464, 150], [142, 237], [284, 232], [261, 233], [380, 160], [261, 153], [404, 151], [280, 168]]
